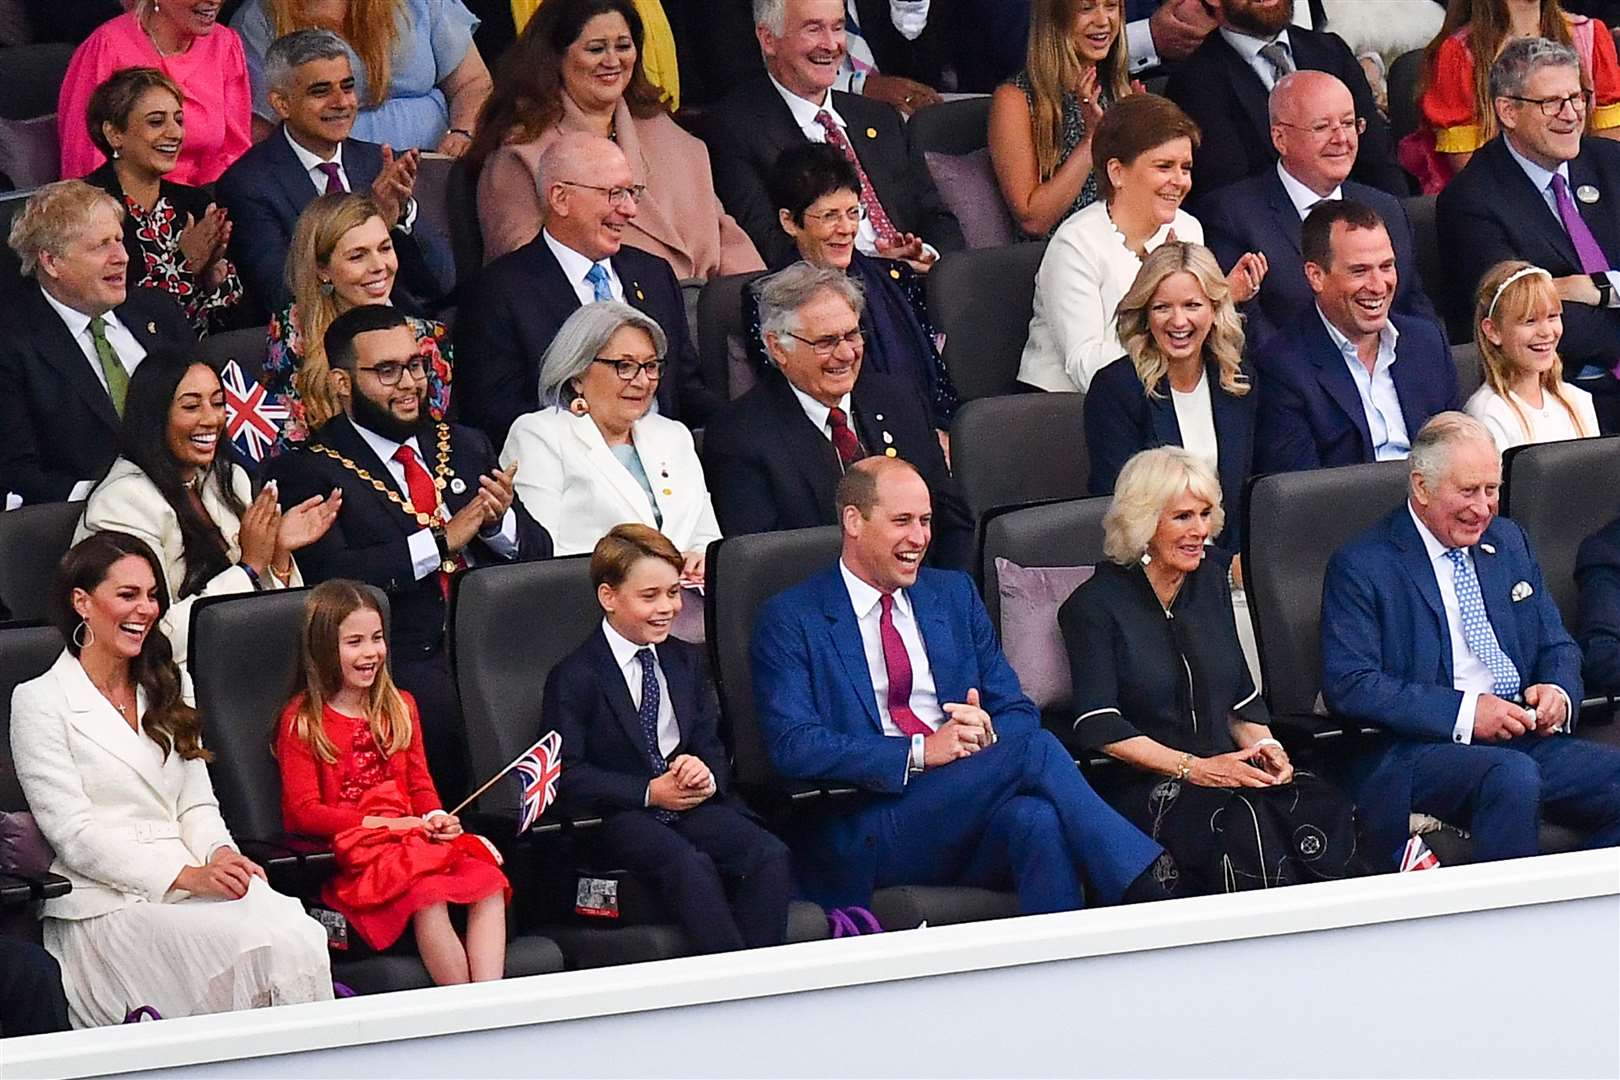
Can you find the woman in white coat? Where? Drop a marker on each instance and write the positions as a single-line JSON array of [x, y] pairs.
[[595, 455], [171, 488], [164, 911]]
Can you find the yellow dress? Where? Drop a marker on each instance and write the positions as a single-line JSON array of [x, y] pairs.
[[657, 46]]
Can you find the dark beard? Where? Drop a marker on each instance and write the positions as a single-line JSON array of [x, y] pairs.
[[1258, 24], [374, 418]]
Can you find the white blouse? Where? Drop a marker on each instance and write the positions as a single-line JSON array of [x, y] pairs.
[[1086, 271], [1195, 416], [1550, 423]]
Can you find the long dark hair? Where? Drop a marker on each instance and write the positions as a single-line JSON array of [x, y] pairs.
[[168, 721], [144, 441], [527, 98]]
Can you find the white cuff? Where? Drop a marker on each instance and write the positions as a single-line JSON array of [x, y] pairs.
[[424, 553], [1462, 731], [81, 490], [12, 501], [503, 542], [1139, 43], [410, 218], [1569, 710], [431, 814], [1614, 286]]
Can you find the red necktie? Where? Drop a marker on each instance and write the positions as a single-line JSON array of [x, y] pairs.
[[334, 180], [844, 439], [424, 497], [887, 234], [898, 663]]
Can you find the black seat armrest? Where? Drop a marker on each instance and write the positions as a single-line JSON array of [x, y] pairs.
[[15, 892]]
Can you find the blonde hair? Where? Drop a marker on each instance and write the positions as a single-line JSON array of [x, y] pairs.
[[1145, 487], [321, 227], [52, 217], [1225, 341], [1532, 295], [1053, 67], [321, 674], [371, 27]]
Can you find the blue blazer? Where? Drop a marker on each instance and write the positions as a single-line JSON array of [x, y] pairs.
[[1597, 575], [605, 766], [1310, 414], [1386, 649], [266, 189], [1257, 215], [818, 711], [1122, 420]]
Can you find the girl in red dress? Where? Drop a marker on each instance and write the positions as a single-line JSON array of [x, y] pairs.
[[353, 771]]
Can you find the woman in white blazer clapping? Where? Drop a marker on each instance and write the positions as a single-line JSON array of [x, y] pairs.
[[595, 456], [164, 911], [192, 505]]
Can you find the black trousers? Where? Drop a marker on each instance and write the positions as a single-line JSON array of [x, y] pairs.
[[691, 860], [444, 734], [31, 999]]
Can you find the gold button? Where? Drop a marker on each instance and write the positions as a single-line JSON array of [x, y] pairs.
[[894, 272], [871, 133]]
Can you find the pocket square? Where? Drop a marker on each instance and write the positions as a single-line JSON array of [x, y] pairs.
[[1521, 590]]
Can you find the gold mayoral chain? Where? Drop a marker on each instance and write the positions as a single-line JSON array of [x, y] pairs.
[[441, 469]]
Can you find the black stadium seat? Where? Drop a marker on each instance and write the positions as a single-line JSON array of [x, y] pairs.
[[33, 540], [461, 212], [1470, 369], [1404, 75], [1068, 533], [1020, 449], [719, 328], [951, 127], [1560, 493], [25, 653], [249, 347], [981, 301], [1434, 269]]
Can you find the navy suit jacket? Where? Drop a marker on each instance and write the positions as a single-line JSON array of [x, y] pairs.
[[818, 711], [1491, 211], [1257, 215], [605, 764], [1310, 414], [1597, 575], [266, 189], [1122, 420]]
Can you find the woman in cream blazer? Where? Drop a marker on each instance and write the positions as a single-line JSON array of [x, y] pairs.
[[163, 910]]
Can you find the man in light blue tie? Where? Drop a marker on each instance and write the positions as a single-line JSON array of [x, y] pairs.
[[1437, 629]]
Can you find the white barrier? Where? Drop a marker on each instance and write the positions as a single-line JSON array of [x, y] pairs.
[[1508, 968]]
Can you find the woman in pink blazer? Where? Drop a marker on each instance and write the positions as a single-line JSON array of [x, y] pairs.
[[577, 67]]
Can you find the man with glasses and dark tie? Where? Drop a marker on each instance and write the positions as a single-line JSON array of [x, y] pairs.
[[1544, 192], [514, 309], [775, 455]]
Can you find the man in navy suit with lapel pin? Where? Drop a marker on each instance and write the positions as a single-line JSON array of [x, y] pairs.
[[310, 153], [1438, 629], [522, 298], [641, 747], [1347, 382], [879, 673]]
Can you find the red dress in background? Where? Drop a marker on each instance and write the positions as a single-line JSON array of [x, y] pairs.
[[384, 876]]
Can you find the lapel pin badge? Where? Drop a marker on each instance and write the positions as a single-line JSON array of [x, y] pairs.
[[151, 328], [879, 417], [1489, 549], [458, 486], [891, 452], [871, 133], [888, 440], [636, 285], [1587, 194], [667, 491], [1521, 591]]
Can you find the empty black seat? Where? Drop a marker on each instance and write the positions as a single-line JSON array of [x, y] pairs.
[[33, 540], [25, 653], [1560, 493], [1020, 449], [981, 301]]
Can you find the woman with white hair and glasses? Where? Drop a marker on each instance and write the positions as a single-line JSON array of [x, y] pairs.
[[595, 455], [1161, 685]]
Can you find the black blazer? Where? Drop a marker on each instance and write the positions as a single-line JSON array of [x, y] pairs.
[[1122, 420], [266, 189], [1491, 211], [57, 424], [769, 468], [521, 301], [1597, 575], [1257, 215], [605, 766], [751, 126], [1310, 414], [1221, 92], [368, 542]]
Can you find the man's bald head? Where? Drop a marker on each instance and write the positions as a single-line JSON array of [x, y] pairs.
[[1314, 128], [575, 176]]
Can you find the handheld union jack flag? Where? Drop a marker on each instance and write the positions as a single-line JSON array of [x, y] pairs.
[[538, 771], [253, 418]]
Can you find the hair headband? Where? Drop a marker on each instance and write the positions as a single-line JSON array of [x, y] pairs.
[[1528, 271]]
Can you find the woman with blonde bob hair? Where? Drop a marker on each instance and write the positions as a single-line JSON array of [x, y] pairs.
[[1182, 381], [1518, 323], [341, 256], [1161, 684]]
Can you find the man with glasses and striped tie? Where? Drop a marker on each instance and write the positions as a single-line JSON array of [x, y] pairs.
[[1438, 629]]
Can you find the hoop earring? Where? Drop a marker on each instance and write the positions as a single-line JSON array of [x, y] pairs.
[[579, 406], [83, 629], [327, 288]]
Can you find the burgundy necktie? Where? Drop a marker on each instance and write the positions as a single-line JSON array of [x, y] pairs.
[[898, 663], [1593, 261], [844, 439], [424, 498], [334, 178], [887, 234]]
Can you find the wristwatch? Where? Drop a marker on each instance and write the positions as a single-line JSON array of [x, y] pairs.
[[447, 558], [914, 765]]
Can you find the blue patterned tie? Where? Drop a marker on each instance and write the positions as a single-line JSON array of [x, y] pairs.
[[649, 720], [599, 282], [1476, 627]]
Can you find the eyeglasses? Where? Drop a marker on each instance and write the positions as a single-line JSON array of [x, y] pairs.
[[1326, 129], [389, 371], [627, 369], [1553, 107], [826, 346], [831, 218], [616, 196]]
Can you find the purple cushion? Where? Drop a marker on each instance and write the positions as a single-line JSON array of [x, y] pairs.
[[1030, 597], [967, 183], [23, 849]]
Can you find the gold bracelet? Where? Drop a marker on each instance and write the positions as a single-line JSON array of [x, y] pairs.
[[1184, 769]]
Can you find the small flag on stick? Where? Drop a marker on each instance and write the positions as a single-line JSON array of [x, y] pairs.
[[538, 769]]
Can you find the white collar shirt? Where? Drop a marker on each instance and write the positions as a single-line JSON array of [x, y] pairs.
[[1541, 178], [804, 115], [1249, 48], [576, 267], [130, 353], [1380, 402], [1468, 673], [1303, 198], [820, 414], [312, 162], [625, 652], [867, 605]]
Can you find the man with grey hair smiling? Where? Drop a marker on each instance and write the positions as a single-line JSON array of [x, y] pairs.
[[1438, 629], [775, 455], [1545, 192]]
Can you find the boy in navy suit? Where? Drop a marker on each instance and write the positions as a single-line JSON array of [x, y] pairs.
[[641, 746]]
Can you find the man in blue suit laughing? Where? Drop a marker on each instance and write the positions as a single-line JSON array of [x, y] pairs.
[[882, 674], [1437, 628]]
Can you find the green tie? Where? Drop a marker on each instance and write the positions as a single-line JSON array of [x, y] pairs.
[[111, 366]]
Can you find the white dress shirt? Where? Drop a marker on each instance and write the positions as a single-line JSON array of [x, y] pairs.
[[1144, 54], [576, 266], [1195, 416], [1249, 48], [312, 162], [1550, 423], [1386, 424], [424, 550], [624, 654], [868, 609], [820, 414], [130, 354], [1303, 198]]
